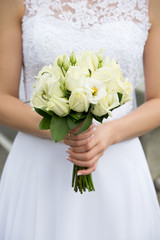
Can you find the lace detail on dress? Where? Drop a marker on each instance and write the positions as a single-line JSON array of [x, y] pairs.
[[53, 27], [86, 13]]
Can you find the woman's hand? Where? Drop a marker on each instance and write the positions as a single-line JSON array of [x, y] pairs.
[[87, 148]]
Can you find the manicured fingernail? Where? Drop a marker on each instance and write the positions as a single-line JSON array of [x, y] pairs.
[[92, 136], [94, 129], [68, 150], [69, 159], [79, 174]]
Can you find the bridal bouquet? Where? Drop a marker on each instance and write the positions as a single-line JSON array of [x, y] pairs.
[[73, 91]]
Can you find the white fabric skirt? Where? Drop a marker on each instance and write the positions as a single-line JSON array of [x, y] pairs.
[[38, 203]]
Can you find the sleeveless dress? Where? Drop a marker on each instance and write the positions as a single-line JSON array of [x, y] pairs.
[[36, 198]]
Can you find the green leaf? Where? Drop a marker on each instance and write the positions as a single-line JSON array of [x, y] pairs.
[[47, 73], [77, 115], [86, 124], [99, 119], [106, 115], [115, 108], [72, 123], [45, 123], [67, 94], [43, 113], [59, 128], [120, 95], [90, 72]]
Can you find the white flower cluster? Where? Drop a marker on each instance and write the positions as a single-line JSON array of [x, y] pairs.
[[80, 82]]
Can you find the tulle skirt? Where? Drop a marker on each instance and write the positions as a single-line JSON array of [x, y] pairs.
[[38, 203]]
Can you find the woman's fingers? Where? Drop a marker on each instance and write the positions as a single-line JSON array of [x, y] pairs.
[[89, 170], [91, 165], [71, 136], [73, 143], [84, 156], [77, 129], [81, 139], [83, 135], [86, 152], [84, 148]]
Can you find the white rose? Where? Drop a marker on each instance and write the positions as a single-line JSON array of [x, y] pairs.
[[114, 65], [57, 72], [120, 85], [114, 86], [105, 74], [49, 85], [38, 100], [126, 89], [46, 71], [88, 62], [74, 78], [49, 71], [123, 87], [106, 104], [113, 100], [78, 100], [54, 88], [40, 84], [58, 105]]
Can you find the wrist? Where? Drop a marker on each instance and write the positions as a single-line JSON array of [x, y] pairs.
[[44, 134], [111, 130]]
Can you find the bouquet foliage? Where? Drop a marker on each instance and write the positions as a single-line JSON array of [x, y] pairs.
[[73, 91]]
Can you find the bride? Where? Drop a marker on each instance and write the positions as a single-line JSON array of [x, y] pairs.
[[36, 198]]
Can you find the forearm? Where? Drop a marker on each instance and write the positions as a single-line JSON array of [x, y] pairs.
[[18, 115], [140, 121]]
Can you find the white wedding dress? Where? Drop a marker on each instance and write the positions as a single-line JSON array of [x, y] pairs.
[[36, 198]]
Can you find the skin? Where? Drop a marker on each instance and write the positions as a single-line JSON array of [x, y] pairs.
[[86, 148], [14, 113]]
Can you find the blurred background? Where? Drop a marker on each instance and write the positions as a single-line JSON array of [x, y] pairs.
[[150, 142]]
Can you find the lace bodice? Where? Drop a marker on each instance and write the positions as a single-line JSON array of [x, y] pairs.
[[87, 13], [52, 27]]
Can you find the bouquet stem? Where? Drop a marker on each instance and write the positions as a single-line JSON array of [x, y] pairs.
[[82, 182]]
